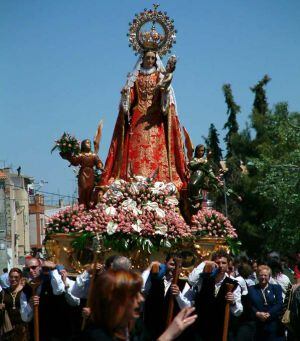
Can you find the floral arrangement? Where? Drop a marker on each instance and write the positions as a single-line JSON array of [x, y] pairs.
[[212, 223], [136, 214], [67, 144]]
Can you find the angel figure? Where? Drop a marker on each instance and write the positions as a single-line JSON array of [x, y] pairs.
[[87, 160], [197, 166]]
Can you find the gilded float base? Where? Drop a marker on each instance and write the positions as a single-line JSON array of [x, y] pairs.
[[59, 250]]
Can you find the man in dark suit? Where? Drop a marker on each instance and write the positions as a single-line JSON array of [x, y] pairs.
[[158, 291], [209, 295], [267, 304]]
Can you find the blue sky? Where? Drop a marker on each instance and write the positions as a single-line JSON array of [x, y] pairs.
[[63, 63]]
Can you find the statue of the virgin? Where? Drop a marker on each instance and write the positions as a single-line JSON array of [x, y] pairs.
[[147, 135]]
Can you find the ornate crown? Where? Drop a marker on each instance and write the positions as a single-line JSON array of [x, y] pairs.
[[144, 40], [151, 39]]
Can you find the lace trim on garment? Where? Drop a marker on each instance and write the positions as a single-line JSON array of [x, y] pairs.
[[147, 71]]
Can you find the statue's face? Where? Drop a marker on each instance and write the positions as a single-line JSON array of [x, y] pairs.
[[149, 60], [86, 146], [200, 151]]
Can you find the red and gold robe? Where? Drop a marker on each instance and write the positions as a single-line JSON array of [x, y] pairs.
[[139, 144]]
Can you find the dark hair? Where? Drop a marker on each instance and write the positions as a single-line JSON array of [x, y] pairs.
[[109, 261], [242, 258], [15, 270], [171, 255], [111, 296], [220, 253], [5, 270], [244, 270], [198, 148], [275, 266], [83, 144]]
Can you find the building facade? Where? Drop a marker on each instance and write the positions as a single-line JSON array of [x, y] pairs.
[[14, 218], [36, 222]]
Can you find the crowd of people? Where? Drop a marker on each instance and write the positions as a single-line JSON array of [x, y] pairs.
[[222, 297]]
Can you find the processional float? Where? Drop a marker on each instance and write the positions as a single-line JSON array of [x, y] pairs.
[[150, 197]]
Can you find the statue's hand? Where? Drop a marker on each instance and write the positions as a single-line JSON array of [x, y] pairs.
[[65, 155]]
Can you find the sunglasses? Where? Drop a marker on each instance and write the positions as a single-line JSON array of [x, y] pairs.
[[32, 267]]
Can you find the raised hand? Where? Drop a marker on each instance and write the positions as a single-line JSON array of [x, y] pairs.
[[182, 320]]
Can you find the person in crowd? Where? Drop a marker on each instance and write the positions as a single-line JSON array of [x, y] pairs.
[[73, 320], [49, 297], [158, 290], [10, 298], [116, 304], [4, 279], [294, 331], [81, 286], [253, 276], [243, 326], [266, 300], [68, 285], [286, 268], [278, 277], [231, 269], [209, 295], [297, 269]]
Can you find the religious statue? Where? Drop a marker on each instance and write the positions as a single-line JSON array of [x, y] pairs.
[[199, 182], [147, 134], [87, 160]]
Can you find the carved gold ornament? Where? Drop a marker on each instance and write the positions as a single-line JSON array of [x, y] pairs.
[[142, 39]]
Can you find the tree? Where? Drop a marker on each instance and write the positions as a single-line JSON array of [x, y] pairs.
[[212, 142], [260, 107], [278, 181], [232, 110]]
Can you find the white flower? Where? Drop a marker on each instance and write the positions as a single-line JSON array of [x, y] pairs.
[[170, 188], [129, 204], [136, 211], [160, 213], [116, 185], [139, 178], [151, 206], [111, 211], [111, 227], [161, 229], [172, 201], [113, 194], [158, 188], [137, 227], [133, 189]]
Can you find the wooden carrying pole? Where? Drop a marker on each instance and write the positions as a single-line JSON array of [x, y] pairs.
[[229, 288], [176, 273], [97, 250], [36, 328], [91, 288]]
